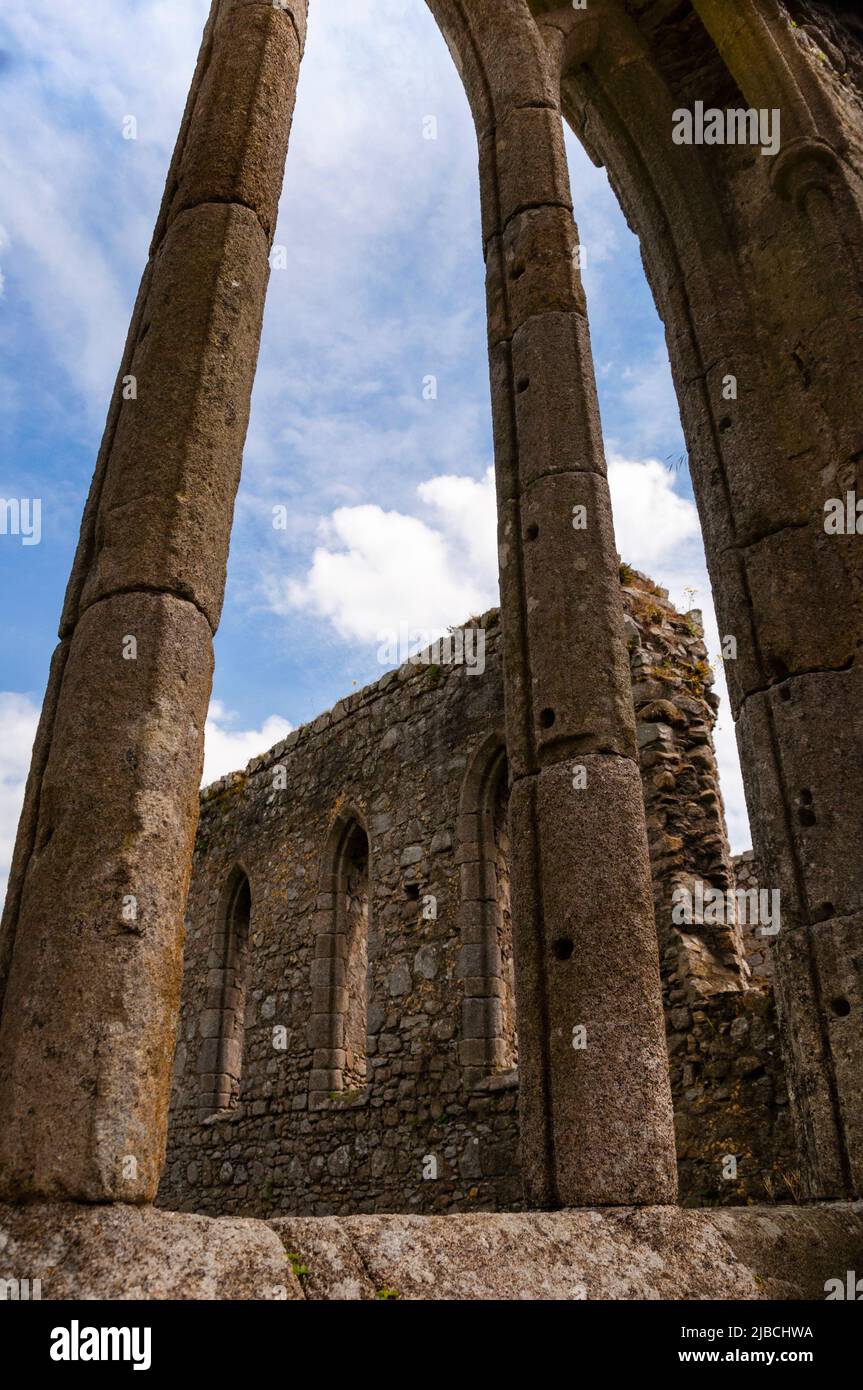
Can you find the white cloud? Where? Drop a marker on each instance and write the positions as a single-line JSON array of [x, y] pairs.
[[4, 242], [227, 749], [376, 570], [18, 720], [652, 522], [468, 513]]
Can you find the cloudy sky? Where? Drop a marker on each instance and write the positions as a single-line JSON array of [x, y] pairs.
[[388, 495]]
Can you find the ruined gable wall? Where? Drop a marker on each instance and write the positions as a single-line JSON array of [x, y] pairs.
[[732, 1124], [396, 755], [756, 947]]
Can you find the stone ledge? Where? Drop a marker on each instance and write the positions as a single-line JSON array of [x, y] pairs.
[[616, 1253], [125, 1252]]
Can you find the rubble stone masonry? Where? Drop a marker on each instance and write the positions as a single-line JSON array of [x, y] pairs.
[[348, 1038]]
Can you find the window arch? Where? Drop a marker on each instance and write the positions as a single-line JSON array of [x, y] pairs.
[[488, 1035], [340, 975], [220, 1061]]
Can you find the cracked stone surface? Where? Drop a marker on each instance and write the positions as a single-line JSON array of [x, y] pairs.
[[124, 1252], [625, 1253]]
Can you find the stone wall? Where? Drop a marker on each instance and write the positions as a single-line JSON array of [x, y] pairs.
[[732, 1124], [374, 843], [305, 1136], [756, 947]]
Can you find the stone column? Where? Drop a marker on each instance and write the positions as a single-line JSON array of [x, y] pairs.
[[795, 592], [91, 940], [596, 1114], [754, 260]]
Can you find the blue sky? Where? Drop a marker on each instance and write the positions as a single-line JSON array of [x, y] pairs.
[[388, 496]]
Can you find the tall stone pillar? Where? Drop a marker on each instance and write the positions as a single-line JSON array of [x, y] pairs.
[[754, 258], [91, 939], [596, 1116], [795, 590]]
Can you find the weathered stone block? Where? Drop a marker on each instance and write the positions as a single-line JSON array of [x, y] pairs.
[[532, 270], [126, 1252], [540, 250], [531, 166], [295, 11], [519, 725], [324, 1079], [210, 1055], [557, 411], [102, 907], [26, 836], [838, 957], [477, 882], [573, 605], [502, 410], [647, 1253], [608, 1098], [512, 54], [238, 133], [479, 960], [166, 506], [482, 1053], [805, 769], [783, 573], [328, 973], [807, 1047], [481, 1018], [326, 1031]]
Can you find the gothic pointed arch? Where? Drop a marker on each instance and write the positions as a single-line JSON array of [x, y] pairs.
[[220, 1062], [488, 1020], [733, 235], [340, 976]]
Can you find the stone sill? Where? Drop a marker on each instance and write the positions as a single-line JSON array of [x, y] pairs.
[[113, 1251], [224, 1117], [332, 1100], [498, 1081]]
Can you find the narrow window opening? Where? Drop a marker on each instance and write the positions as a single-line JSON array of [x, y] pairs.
[[222, 1023], [354, 898], [500, 808]]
